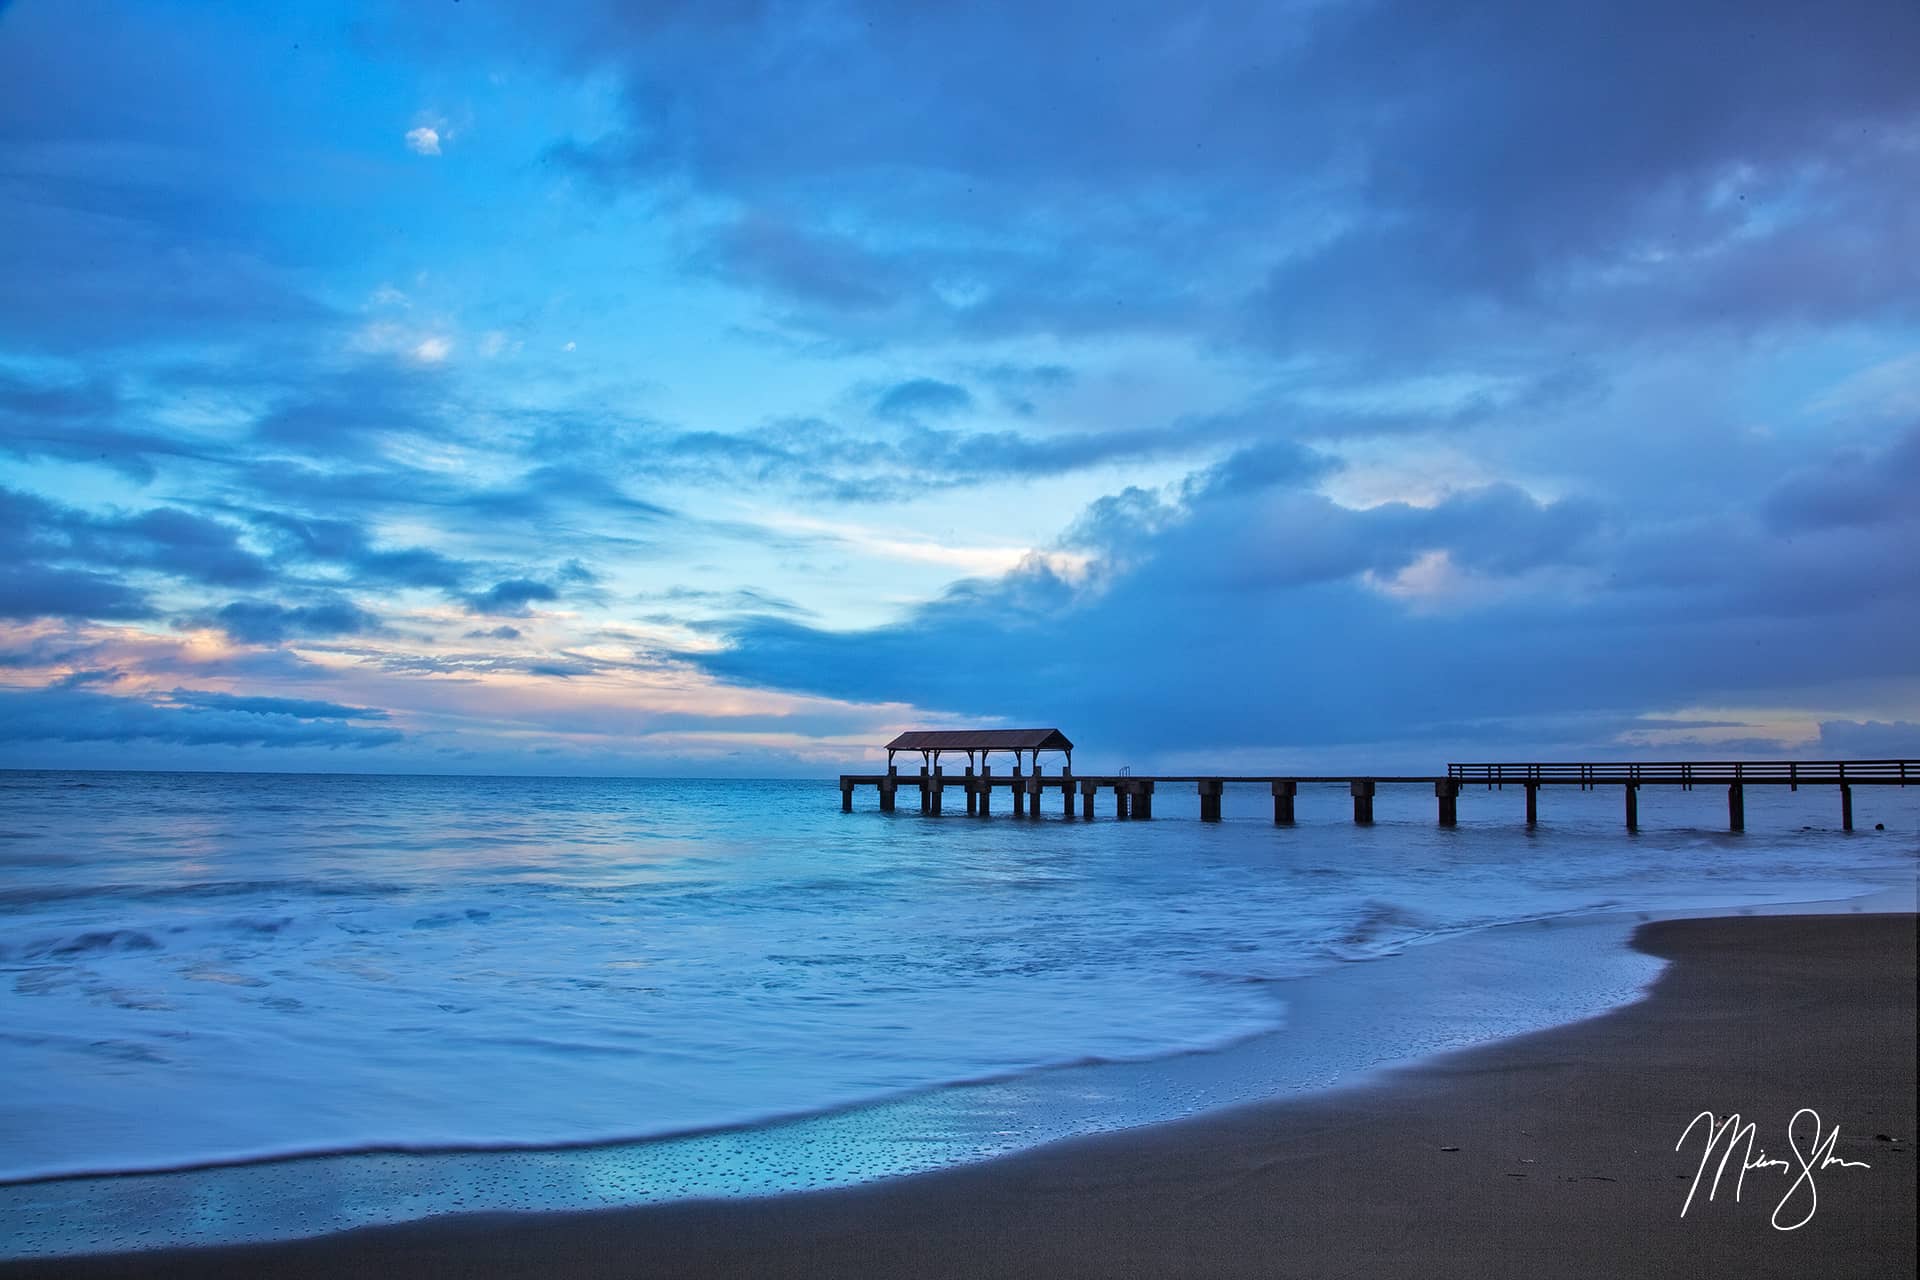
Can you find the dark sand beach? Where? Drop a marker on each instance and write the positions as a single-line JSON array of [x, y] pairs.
[[1553, 1154]]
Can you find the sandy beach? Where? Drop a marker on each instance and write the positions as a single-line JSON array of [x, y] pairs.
[[1540, 1155]]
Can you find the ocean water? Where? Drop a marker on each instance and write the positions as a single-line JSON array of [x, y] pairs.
[[198, 969]]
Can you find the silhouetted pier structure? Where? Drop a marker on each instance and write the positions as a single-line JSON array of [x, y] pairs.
[[1132, 796]]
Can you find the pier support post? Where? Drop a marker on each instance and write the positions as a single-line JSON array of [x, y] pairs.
[[1143, 800], [1283, 794], [1019, 794], [1087, 789], [1210, 789], [889, 785], [1846, 806], [846, 796], [1447, 790], [986, 788], [1736, 807], [1035, 788], [939, 789], [973, 794], [1362, 789], [1066, 792], [1633, 806], [926, 792], [1120, 800], [1533, 803]]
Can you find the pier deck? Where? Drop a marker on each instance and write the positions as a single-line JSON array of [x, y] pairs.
[[1133, 793]]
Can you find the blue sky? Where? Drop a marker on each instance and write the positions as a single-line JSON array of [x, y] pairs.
[[720, 388]]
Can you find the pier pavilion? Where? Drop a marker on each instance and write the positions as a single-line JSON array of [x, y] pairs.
[[975, 744]]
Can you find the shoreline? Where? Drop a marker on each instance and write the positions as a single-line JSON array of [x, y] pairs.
[[1083, 1202]]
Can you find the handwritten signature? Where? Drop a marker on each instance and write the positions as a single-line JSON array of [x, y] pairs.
[[1726, 1135]]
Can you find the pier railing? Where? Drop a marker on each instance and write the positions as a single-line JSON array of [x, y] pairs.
[[1687, 773]]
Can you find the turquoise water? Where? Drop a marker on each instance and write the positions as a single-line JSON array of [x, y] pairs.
[[207, 968]]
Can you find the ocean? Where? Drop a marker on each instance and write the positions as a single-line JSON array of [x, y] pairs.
[[458, 993]]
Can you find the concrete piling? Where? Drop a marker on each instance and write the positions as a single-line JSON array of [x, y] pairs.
[[1533, 803], [1283, 794], [1087, 790], [1633, 805], [1447, 793], [1736, 807], [1846, 807], [1210, 792], [1362, 789]]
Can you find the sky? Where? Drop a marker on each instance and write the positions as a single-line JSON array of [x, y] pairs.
[[721, 388]]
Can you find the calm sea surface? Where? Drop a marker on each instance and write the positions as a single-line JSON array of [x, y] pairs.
[[206, 967]]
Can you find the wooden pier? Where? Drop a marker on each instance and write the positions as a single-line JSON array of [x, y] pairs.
[[1132, 795]]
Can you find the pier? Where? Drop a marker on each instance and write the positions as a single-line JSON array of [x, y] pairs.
[[1129, 797]]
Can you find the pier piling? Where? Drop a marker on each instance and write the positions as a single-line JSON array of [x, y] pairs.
[[1133, 795], [1283, 794]]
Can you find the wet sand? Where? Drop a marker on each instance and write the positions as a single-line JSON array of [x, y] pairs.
[[1551, 1154]]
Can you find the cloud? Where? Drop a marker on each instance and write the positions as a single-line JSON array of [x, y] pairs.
[[512, 597], [299, 708], [1852, 488], [270, 622], [32, 591], [1871, 739], [423, 140], [922, 398], [185, 717]]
